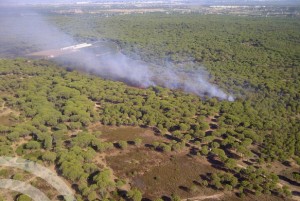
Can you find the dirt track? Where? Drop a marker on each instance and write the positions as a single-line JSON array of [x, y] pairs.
[[215, 196]]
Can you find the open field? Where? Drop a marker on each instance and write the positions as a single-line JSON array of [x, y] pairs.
[[114, 134]]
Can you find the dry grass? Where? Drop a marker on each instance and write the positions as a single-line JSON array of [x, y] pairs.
[[175, 176], [158, 174], [126, 133], [8, 195], [6, 120], [136, 162]]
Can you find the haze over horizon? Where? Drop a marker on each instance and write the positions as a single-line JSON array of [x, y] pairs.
[[200, 2]]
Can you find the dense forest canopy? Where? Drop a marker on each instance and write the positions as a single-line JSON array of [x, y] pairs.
[[52, 111], [253, 57], [230, 47]]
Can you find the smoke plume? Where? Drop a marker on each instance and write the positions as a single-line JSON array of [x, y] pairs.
[[25, 31]]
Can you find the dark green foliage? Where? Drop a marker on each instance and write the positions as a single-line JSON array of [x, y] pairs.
[[247, 180], [33, 145]]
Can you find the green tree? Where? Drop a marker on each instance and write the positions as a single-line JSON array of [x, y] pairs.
[[103, 180], [230, 163], [175, 197], [123, 144], [138, 142], [33, 145], [204, 150], [135, 194], [49, 156], [23, 198]]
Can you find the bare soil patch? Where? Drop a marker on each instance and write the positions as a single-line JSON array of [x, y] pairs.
[[205, 197], [127, 133], [5, 120], [7, 116]]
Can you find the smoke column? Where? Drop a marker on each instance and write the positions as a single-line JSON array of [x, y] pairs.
[[30, 29]]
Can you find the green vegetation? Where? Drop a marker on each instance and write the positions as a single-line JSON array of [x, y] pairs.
[[23, 198], [242, 54], [53, 112], [135, 195]]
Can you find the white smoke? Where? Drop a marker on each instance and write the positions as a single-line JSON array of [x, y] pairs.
[[32, 30]]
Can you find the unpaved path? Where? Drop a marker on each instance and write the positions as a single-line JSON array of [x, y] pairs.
[[6, 112], [198, 198]]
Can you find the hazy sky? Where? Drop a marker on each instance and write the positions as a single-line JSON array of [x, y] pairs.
[[199, 1]]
